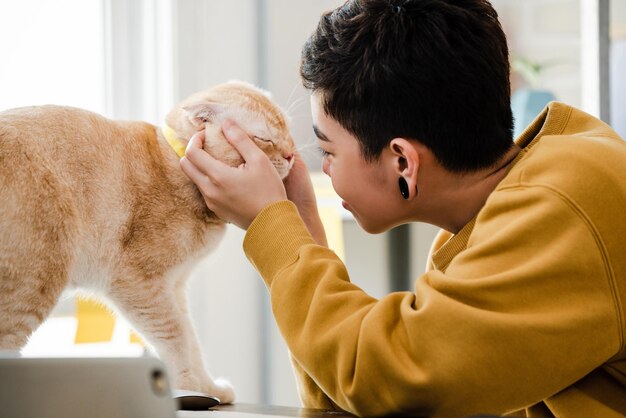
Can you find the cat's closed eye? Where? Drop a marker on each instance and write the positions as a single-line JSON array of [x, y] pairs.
[[269, 141]]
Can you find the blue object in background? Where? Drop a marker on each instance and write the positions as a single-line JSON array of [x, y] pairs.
[[526, 105], [618, 86]]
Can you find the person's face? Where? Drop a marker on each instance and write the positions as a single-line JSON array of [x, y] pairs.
[[368, 189]]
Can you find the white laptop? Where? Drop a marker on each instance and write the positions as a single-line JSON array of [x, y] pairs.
[[84, 387]]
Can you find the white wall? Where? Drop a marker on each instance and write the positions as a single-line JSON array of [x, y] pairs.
[[216, 42]]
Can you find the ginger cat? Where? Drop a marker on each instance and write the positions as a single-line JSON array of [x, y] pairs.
[[92, 203]]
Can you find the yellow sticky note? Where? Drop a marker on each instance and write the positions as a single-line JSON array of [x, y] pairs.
[[95, 322]]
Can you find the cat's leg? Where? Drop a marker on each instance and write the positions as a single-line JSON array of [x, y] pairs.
[[35, 255], [37, 229], [153, 308], [223, 386], [26, 301]]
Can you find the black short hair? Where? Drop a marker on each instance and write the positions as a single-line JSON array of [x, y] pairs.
[[432, 70]]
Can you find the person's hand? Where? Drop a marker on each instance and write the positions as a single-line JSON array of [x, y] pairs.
[[235, 194], [300, 191]]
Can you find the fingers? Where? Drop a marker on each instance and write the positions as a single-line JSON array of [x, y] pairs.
[[203, 162], [239, 139], [199, 138], [193, 173]]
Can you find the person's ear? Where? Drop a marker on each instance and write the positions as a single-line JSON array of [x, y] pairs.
[[406, 164]]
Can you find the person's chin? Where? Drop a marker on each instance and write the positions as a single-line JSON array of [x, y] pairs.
[[371, 228]]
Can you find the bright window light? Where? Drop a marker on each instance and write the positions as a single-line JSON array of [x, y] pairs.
[[52, 52]]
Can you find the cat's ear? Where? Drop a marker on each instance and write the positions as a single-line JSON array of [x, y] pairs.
[[203, 112]]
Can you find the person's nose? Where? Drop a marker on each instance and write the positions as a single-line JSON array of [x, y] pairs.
[[326, 167]]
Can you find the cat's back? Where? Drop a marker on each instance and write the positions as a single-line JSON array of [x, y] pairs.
[[44, 114], [42, 148], [49, 127], [65, 158], [75, 145], [34, 117], [50, 136]]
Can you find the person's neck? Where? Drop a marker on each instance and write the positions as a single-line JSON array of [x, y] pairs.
[[462, 196]]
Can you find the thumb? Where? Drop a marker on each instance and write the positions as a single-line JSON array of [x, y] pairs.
[[196, 140], [239, 139]]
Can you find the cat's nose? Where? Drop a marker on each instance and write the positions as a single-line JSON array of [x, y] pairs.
[[288, 156]]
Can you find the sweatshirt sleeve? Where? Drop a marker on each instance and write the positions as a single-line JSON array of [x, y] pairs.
[[523, 312]]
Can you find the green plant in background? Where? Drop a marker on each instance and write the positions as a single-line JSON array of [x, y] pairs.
[[528, 69], [528, 102], [531, 70]]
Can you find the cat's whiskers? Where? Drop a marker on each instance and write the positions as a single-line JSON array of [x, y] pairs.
[[303, 116], [293, 90], [295, 105], [308, 149]]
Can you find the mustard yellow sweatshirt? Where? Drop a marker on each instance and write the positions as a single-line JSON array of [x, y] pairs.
[[522, 310]]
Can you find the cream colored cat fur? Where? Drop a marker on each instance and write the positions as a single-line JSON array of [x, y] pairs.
[[92, 203]]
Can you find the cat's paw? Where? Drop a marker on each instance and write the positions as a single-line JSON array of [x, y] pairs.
[[223, 390]]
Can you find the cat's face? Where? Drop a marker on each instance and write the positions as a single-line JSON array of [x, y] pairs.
[[253, 111]]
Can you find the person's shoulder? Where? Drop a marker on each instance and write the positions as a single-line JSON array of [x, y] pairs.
[[583, 151], [565, 119], [582, 162]]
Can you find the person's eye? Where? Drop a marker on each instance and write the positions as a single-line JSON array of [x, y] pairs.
[[323, 152]]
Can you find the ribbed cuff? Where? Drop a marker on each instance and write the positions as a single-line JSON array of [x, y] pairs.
[[274, 239]]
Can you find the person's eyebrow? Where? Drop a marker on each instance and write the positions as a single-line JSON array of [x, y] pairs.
[[320, 134]]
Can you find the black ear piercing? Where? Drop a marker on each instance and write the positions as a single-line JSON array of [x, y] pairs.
[[404, 187]]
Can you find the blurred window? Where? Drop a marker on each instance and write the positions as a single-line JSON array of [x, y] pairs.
[[52, 52]]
